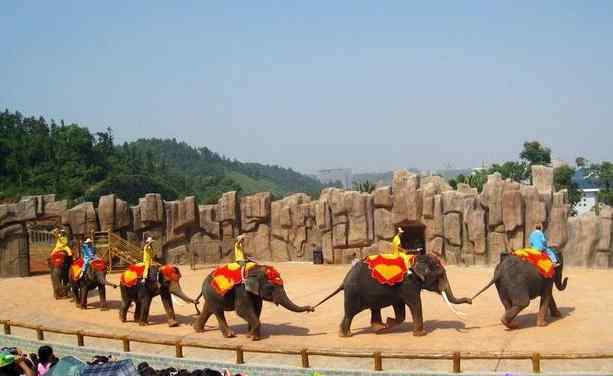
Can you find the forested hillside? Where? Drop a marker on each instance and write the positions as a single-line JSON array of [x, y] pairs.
[[39, 156]]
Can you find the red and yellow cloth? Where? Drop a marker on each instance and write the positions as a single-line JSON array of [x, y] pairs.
[[77, 265], [130, 277], [57, 259], [228, 275], [539, 259], [389, 269]]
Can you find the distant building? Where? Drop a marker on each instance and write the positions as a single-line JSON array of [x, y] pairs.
[[333, 175], [589, 187], [557, 163]]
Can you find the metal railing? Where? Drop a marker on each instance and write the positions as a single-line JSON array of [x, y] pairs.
[[456, 357]]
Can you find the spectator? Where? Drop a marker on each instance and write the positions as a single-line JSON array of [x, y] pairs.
[[14, 363], [46, 360]]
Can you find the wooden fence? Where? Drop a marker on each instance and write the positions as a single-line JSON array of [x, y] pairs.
[[377, 356]]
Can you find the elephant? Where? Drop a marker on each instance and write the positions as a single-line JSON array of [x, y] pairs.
[[162, 281], [362, 291], [94, 277], [518, 282], [261, 283], [59, 265]]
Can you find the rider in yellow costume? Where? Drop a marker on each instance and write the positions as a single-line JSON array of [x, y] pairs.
[[61, 242]]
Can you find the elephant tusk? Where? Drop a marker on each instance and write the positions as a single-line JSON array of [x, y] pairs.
[[457, 313]]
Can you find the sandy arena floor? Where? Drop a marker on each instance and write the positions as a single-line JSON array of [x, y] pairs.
[[584, 327]]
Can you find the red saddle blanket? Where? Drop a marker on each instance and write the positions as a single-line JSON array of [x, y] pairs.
[[130, 277], [225, 277], [539, 259], [77, 266], [57, 259], [388, 269]]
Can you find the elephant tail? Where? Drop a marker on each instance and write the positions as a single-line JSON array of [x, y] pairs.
[[489, 284], [339, 289]]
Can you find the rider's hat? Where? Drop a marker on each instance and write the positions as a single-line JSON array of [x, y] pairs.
[[88, 240]]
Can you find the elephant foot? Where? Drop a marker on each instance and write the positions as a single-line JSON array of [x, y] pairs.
[[198, 328], [229, 334], [390, 322], [143, 323], [556, 313], [256, 337], [346, 334], [173, 323], [509, 325], [104, 308], [122, 319], [419, 333], [541, 322], [377, 326]]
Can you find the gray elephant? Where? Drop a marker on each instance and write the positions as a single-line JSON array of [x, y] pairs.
[[162, 281], [261, 283], [363, 291], [59, 265], [94, 277], [518, 282]]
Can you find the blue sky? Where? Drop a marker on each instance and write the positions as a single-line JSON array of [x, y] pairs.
[[316, 84]]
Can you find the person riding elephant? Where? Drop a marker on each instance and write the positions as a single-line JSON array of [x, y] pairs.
[[88, 253], [370, 285], [538, 241], [518, 281], [243, 289], [59, 262], [148, 255], [82, 282], [162, 281]]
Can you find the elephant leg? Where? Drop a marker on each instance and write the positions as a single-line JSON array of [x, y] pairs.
[[257, 306], [202, 319], [137, 310], [418, 318], [543, 308], [245, 308], [400, 313], [376, 322], [553, 308], [76, 294], [345, 329], [123, 310], [170, 311], [505, 302], [84, 291], [102, 293], [512, 312], [144, 311], [223, 324]]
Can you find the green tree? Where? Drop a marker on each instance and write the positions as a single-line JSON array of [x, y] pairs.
[[562, 179], [535, 153], [516, 171], [602, 173], [365, 186]]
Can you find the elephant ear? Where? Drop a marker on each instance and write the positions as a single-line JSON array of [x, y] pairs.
[[420, 269], [252, 284]]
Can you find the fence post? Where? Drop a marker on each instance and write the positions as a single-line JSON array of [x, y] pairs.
[[457, 362], [536, 362], [126, 344], [7, 327], [178, 349], [40, 335], [304, 355], [240, 357], [80, 339], [378, 361]]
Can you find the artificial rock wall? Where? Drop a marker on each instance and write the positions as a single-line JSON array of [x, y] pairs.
[[466, 227]]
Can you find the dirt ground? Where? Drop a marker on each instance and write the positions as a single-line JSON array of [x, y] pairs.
[[584, 327]]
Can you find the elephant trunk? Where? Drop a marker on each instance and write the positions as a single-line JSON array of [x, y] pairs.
[[175, 289], [445, 289], [560, 283], [280, 297], [103, 282]]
